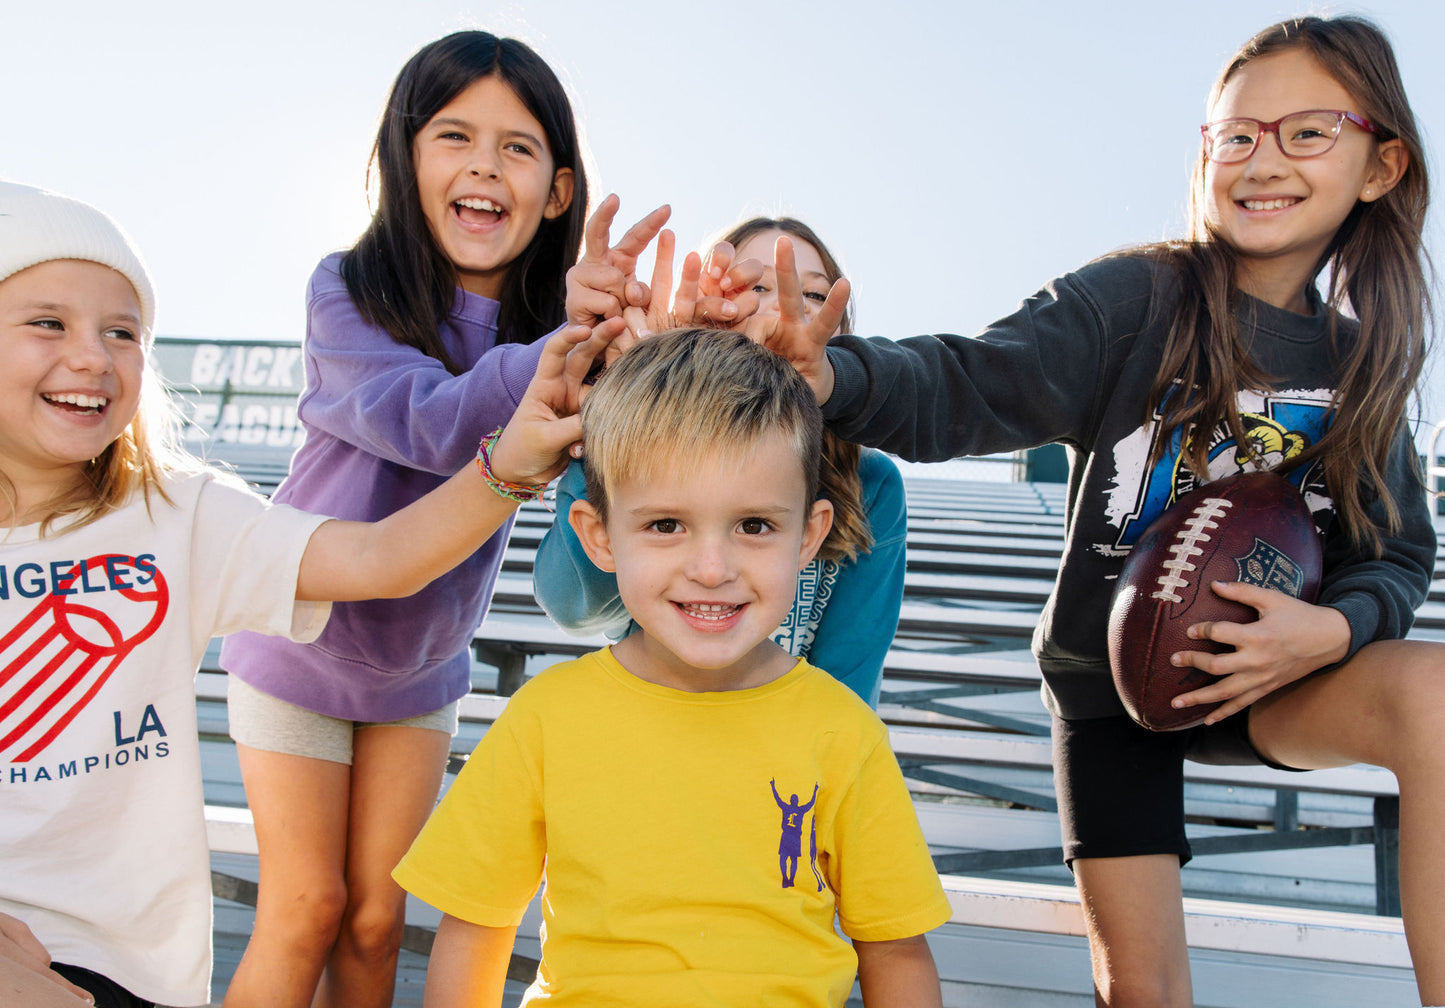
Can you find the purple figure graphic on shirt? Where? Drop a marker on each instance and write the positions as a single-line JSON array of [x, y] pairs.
[[790, 843]]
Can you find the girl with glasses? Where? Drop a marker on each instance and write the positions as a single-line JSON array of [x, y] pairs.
[[1287, 332]]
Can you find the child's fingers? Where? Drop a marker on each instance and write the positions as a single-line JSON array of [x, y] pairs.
[[715, 312], [662, 279], [639, 295], [636, 320], [585, 306], [598, 232], [715, 264], [561, 434], [741, 276], [684, 300], [594, 290], [552, 366], [803, 343], [19, 943], [582, 356], [640, 235], [830, 315], [791, 309]]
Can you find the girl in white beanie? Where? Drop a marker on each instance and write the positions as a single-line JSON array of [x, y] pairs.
[[120, 557]]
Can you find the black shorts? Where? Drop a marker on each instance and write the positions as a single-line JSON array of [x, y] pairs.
[[107, 993], [1121, 787]]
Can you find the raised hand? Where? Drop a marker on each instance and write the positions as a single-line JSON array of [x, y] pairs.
[[716, 292], [604, 284], [790, 333], [534, 446]]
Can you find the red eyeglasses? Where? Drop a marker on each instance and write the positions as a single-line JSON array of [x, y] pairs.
[[1299, 134]]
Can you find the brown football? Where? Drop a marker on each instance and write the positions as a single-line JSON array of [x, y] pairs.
[[1252, 527]]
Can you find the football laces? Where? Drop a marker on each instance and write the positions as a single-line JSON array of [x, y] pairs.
[[1193, 534]]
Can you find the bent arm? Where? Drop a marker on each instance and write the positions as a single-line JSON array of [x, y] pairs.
[[392, 400], [405, 551], [898, 974], [468, 964], [402, 553], [1379, 595]]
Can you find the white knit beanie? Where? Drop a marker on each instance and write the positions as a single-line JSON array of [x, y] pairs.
[[37, 226]]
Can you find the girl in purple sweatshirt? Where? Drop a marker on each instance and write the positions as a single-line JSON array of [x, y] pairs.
[[419, 341]]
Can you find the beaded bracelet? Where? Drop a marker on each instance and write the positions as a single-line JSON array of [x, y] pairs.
[[519, 492]]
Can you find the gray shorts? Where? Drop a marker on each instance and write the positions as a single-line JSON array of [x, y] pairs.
[[260, 721]]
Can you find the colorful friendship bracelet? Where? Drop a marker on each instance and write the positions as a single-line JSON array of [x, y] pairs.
[[519, 492]]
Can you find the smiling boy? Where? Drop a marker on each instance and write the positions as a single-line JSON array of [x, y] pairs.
[[648, 778]]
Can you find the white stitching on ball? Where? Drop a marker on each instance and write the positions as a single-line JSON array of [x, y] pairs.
[[1192, 533]]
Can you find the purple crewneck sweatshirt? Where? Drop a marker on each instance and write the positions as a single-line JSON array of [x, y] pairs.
[[385, 424]]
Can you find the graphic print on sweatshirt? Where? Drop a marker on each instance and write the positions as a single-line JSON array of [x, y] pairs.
[[790, 839], [1278, 426], [89, 615], [815, 587]]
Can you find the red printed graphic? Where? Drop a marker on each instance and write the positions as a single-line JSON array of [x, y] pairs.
[[56, 659]]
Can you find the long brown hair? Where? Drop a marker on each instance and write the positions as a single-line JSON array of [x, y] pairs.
[[1377, 270], [850, 534]]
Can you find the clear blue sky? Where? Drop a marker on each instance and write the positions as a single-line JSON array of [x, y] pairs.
[[928, 143]]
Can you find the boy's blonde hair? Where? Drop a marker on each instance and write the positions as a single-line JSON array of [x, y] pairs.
[[689, 397]]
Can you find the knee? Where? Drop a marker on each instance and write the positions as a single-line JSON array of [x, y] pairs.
[[372, 930], [307, 917], [1409, 701]]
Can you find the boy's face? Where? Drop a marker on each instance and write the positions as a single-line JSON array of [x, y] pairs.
[[707, 564]]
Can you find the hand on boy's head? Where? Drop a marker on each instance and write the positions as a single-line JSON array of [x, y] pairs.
[[534, 447], [603, 283]]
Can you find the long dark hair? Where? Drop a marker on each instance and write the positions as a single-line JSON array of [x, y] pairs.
[[1377, 269], [397, 274]]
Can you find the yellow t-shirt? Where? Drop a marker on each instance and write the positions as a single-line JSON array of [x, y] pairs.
[[697, 846]]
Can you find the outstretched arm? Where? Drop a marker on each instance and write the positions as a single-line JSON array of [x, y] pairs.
[[898, 974], [468, 965], [402, 553]]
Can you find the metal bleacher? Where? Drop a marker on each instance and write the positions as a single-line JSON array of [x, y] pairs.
[[1292, 899]]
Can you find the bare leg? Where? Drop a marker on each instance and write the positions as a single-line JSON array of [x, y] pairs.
[[300, 806], [1134, 910], [1385, 707], [396, 776]]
